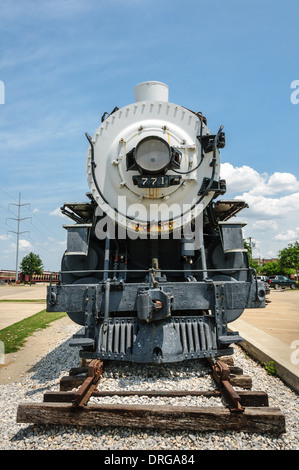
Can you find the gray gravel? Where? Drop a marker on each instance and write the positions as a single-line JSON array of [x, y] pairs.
[[186, 376]]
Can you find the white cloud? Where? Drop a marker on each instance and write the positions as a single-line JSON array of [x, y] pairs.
[[262, 206], [240, 179], [271, 254], [245, 178], [263, 225], [25, 245], [281, 182], [57, 212], [273, 216], [289, 235], [5, 237]]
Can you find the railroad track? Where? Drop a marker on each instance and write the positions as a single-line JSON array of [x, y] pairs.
[[243, 410]]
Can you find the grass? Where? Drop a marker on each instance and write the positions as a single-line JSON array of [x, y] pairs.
[[14, 336], [270, 368]]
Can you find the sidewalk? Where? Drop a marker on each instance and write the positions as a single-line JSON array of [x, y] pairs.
[[12, 312], [272, 334], [23, 292]]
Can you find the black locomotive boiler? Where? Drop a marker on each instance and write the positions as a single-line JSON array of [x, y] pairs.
[[155, 267]]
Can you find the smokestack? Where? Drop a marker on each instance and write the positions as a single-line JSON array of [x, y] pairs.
[[151, 91]]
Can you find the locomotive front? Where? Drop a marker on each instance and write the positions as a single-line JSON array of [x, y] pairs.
[[155, 268]]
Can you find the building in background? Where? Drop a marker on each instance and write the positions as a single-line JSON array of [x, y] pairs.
[[8, 277]]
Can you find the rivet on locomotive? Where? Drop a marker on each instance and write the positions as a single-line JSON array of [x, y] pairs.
[[155, 266]]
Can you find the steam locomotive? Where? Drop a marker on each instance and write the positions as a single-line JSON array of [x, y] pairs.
[[155, 266]]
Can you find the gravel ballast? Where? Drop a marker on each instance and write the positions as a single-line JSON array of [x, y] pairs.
[[47, 371]]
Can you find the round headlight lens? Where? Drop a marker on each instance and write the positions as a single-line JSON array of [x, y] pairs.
[[152, 154]]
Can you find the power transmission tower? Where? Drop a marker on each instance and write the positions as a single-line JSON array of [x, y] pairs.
[[18, 233]]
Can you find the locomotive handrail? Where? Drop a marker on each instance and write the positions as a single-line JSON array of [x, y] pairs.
[[152, 269]]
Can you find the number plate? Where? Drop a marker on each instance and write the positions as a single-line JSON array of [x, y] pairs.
[[159, 181], [153, 181]]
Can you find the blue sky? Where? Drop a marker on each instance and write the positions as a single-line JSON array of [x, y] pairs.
[[65, 62]]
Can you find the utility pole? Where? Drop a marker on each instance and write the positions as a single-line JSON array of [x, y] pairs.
[[252, 244], [18, 233]]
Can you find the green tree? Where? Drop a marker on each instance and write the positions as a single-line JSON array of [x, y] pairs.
[[289, 257], [272, 268], [31, 264]]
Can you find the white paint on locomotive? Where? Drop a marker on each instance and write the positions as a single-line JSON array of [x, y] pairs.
[[148, 123]]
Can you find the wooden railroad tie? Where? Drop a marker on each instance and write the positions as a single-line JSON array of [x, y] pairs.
[[246, 410]]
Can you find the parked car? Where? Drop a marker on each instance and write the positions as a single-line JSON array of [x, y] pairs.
[[263, 278], [281, 281], [266, 281]]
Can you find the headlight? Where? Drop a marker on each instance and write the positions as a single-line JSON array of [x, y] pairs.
[[152, 154]]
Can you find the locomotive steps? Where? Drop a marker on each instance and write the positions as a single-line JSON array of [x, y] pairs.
[[244, 410]]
